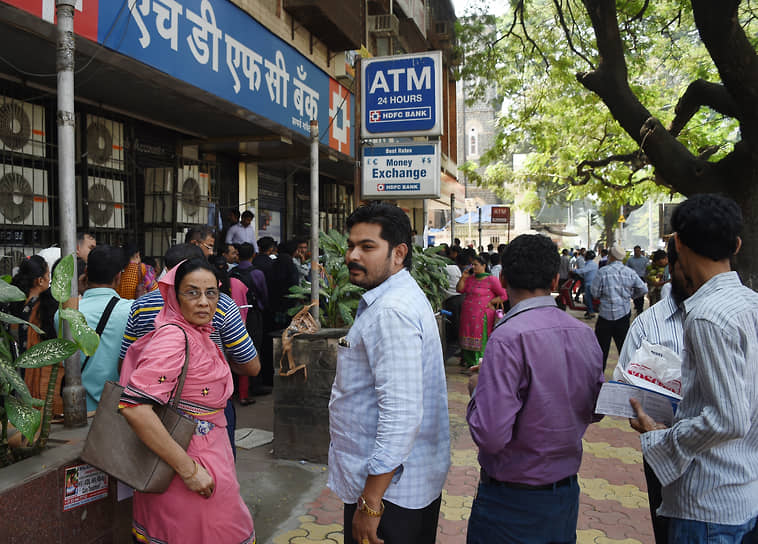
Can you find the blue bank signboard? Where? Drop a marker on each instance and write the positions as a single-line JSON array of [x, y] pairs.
[[216, 46], [401, 170], [402, 95]]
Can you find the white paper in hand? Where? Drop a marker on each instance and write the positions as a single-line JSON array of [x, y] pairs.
[[614, 398]]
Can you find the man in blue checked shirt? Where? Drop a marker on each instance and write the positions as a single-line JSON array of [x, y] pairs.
[[707, 461], [615, 285], [390, 439]]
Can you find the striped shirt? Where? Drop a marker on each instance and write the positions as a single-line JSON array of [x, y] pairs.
[[661, 325], [229, 331], [388, 408], [615, 284], [708, 460]]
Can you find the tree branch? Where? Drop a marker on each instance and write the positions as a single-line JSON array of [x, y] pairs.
[[528, 37], [567, 33], [702, 93], [735, 58]]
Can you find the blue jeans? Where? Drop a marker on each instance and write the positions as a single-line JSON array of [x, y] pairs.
[[588, 299], [686, 531], [505, 514]]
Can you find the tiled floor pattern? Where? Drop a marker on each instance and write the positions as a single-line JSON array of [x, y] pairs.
[[613, 505]]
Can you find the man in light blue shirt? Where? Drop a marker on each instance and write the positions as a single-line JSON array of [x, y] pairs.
[[388, 416], [614, 286], [707, 460], [638, 262], [588, 273], [104, 266]]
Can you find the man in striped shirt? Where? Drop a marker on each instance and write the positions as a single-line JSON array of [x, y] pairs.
[[707, 461]]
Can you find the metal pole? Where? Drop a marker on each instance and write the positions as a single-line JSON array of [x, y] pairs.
[[425, 216], [74, 394], [589, 220], [452, 218], [315, 276], [480, 229]]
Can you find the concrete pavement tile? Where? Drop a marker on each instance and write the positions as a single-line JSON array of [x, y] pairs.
[[452, 528], [612, 422], [464, 458], [285, 538], [458, 397], [617, 437], [455, 508], [593, 536], [628, 495]]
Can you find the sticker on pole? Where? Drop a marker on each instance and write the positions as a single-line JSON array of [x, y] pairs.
[[402, 95], [397, 171]]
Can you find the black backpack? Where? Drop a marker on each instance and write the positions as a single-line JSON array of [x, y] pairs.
[[254, 321]]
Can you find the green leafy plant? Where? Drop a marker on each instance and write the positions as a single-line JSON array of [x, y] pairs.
[[17, 406], [429, 271], [338, 297]]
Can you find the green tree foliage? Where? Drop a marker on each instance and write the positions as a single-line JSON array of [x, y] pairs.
[[587, 87]]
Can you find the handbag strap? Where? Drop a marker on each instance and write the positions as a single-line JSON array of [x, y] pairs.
[[102, 323], [177, 392]]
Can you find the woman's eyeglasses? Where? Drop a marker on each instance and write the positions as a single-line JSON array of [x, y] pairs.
[[194, 294]]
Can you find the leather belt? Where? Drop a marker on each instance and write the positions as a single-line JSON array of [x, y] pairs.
[[487, 479]]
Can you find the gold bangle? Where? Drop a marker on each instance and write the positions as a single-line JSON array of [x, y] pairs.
[[366, 509], [193, 472]]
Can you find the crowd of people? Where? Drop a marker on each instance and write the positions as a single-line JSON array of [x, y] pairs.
[[536, 373]]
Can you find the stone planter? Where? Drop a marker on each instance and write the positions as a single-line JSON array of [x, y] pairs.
[[36, 506], [301, 407]]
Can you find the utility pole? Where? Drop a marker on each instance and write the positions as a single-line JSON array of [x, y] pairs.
[[315, 276], [452, 218], [74, 394]]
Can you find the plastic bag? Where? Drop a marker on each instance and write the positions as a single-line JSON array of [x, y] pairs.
[[653, 367]]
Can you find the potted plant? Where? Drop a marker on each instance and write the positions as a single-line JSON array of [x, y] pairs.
[[17, 406]]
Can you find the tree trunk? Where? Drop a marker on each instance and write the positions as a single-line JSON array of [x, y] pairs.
[[746, 195]]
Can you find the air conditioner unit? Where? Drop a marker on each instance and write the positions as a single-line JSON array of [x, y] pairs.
[[23, 196], [384, 25], [159, 194], [105, 203], [105, 142], [192, 197], [157, 242], [11, 257], [22, 127], [442, 33]]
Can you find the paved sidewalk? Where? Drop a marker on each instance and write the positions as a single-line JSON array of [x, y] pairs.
[[291, 504]]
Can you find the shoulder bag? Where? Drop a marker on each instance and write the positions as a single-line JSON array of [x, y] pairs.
[[113, 446]]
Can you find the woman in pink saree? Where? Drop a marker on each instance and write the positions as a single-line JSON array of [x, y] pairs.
[[482, 292], [203, 502]]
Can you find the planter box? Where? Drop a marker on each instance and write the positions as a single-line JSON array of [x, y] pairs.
[[301, 407], [33, 498]]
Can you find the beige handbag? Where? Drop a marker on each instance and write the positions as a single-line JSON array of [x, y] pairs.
[[113, 447]]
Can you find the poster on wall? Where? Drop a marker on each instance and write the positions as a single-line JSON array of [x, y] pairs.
[[82, 484], [270, 224]]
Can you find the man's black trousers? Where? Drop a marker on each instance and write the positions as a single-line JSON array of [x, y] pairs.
[[606, 329], [401, 525]]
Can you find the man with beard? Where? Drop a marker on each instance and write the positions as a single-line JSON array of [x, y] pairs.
[[706, 461], [388, 416], [662, 325]]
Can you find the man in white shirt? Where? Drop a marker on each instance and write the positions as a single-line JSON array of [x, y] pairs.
[[243, 232]]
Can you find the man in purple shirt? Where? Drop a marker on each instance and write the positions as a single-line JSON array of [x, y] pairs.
[[533, 400]]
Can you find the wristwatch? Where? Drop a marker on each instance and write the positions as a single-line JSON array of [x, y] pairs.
[[366, 509]]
